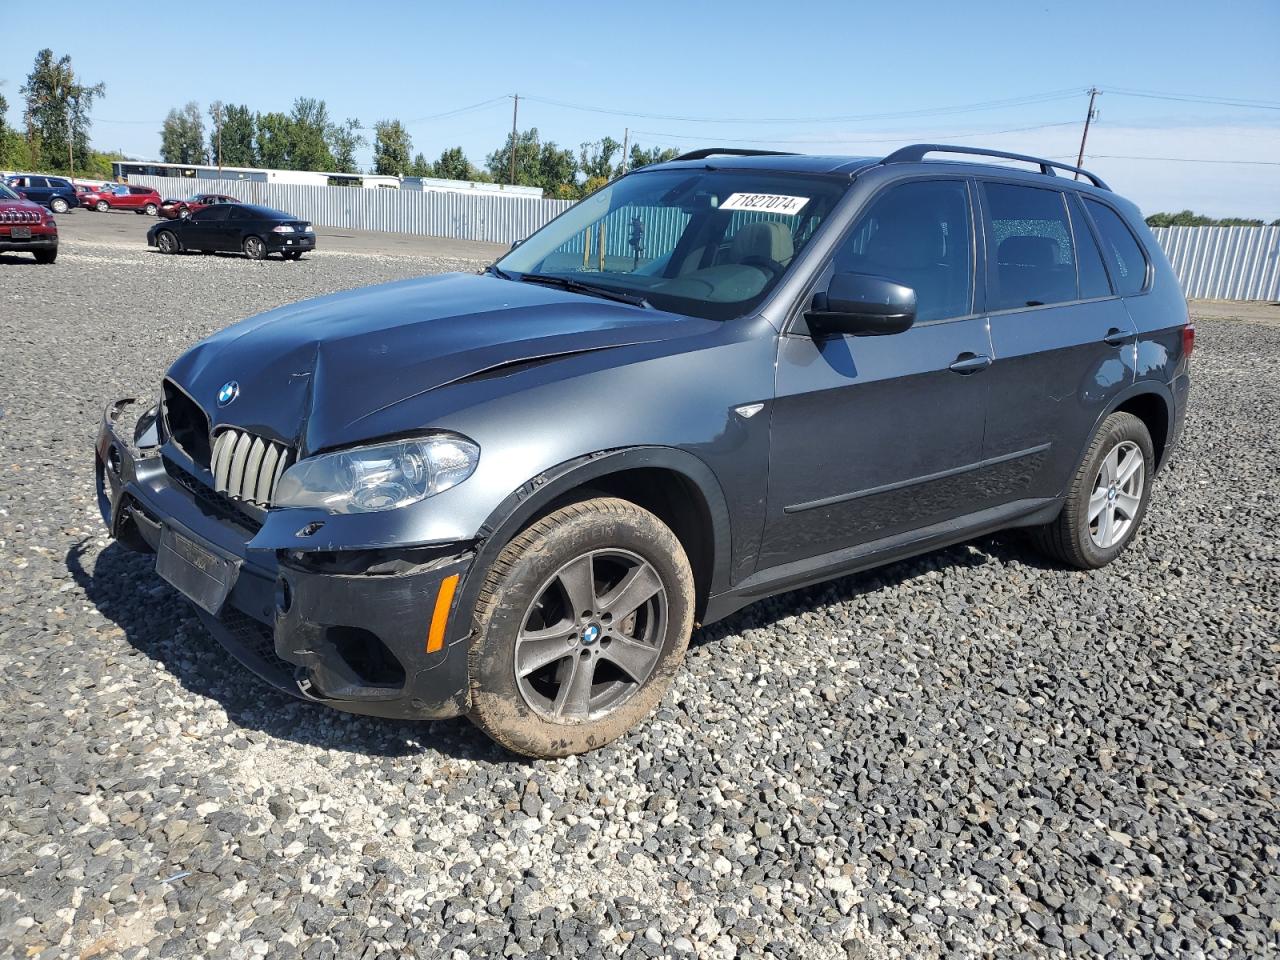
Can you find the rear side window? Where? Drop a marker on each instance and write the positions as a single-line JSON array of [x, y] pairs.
[[1123, 253], [1030, 254], [210, 213], [1093, 275], [918, 234]]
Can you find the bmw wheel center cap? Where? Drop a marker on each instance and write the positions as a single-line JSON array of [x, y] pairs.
[[228, 392], [590, 634]]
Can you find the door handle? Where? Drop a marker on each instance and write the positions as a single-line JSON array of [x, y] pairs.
[[968, 363], [1117, 337]]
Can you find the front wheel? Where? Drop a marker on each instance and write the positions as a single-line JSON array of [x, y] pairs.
[[1107, 498], [166, 242], [58, 205], [254, 248], [581, 624], [151, 209], [45, 256], [102, 206]]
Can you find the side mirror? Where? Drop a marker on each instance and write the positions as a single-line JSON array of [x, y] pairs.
[[862, 305], [516, 244], [21, 193]]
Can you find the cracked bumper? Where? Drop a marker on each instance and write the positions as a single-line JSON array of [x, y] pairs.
[[350, 630]]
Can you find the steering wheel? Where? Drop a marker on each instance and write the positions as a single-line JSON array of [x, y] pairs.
[[772, 267]]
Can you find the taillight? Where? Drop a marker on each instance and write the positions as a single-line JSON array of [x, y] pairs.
[[1188, 339]]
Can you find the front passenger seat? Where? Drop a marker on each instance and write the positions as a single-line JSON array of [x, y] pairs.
[[767, 240]]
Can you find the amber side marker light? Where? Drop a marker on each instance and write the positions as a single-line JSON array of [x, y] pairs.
[[440, 616]]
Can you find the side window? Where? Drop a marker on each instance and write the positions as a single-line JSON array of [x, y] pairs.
[[1123, 253], [917, 234], [1030, 256], [210, 213], [1093, 275]]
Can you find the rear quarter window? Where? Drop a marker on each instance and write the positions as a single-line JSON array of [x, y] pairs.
[[1125, 258]]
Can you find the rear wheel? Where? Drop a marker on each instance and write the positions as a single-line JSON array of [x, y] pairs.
[[58, 205], [166, 242], [1107, 498], [45, 256], [254, 248], [581, 624], [102, 206], [151, 209]]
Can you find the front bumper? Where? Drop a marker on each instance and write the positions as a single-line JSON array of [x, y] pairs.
[[42, 238], [349, 630]]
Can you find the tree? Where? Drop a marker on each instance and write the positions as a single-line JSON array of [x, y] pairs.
[[344, 140], [421, 166], [273, 136], [1186, 218], [643, 158], [238, 132], [182, 136], [454, 165], [537, 165], [309, 135], [595, 160], [392, 148], [57, 113]]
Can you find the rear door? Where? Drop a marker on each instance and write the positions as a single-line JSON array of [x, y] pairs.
[[874, 436], [1064, 342]]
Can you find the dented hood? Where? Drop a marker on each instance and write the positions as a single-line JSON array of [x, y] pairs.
[[309, 371]]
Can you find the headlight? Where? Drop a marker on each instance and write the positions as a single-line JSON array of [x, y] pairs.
[[282, 228], [380, 477]]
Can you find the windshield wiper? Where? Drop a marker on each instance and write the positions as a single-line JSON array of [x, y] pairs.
[[590, 289], [496, 271]]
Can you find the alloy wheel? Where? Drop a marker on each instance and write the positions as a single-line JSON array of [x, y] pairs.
[[1117, 494], [592, 636]]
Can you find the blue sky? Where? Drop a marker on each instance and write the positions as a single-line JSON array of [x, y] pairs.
[[803, 60]]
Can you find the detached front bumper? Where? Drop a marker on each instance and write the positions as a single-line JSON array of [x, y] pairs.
[[365, 631]]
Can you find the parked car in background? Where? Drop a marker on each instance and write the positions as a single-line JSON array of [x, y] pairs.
[[120, 196], [245, 228], [87, 193], [181, 209], [513, 495], [56, 193], [26, 226]]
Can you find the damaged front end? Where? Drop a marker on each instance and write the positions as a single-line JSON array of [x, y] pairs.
[[369, 631]]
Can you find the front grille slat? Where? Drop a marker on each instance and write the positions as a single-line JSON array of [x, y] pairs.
[[246, 466]]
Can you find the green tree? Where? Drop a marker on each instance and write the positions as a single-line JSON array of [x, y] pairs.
[[182, 136], [542, 165], [595, 160], [454, 165], [392, 148], [57, 113], [1187, 218], [274, 138], [641, 157], [421, 166], [309, 135], [344, 140], [238, 133]]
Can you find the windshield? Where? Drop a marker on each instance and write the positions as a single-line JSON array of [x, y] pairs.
[[7, 194], [709, 243]]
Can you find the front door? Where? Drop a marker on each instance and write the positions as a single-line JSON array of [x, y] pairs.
[[875, 436], [1064, 342], [206, 229]]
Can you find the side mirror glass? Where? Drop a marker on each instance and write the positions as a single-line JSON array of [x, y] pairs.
[[862, 305]]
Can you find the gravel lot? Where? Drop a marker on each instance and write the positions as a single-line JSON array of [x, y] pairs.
[[968, 754]]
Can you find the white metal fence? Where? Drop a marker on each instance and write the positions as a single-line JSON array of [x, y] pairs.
[[1227, 263], [1224, 263]]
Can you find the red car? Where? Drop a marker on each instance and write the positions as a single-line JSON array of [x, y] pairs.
[[27, 226], [119, 196], [181, 209]]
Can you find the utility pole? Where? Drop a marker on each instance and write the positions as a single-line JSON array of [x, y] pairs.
[[219, 140], [515, 112], [626, 137], [1088, 118]]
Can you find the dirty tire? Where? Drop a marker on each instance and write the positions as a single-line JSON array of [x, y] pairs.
[[1067, 539], [512, 584]]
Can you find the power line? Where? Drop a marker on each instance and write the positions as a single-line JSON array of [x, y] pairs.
[[1252, 163], [1196, 98], [848, 118]]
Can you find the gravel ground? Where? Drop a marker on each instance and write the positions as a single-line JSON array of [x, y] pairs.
[[967, 754]]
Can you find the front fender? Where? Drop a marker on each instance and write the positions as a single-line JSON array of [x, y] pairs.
[[535, 495]]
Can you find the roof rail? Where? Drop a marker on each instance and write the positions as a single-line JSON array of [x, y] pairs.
[[730, 152], [917, 152]]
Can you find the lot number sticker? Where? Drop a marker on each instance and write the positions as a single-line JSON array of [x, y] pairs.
[[765, 203]]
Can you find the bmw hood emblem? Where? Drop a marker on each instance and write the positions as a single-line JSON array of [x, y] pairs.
[[228, 392]]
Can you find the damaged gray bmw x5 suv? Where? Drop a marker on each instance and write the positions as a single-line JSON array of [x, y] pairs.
[[513, 495]]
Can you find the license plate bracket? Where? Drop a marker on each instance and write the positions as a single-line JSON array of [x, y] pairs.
[[202, 576], [20, 233]]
